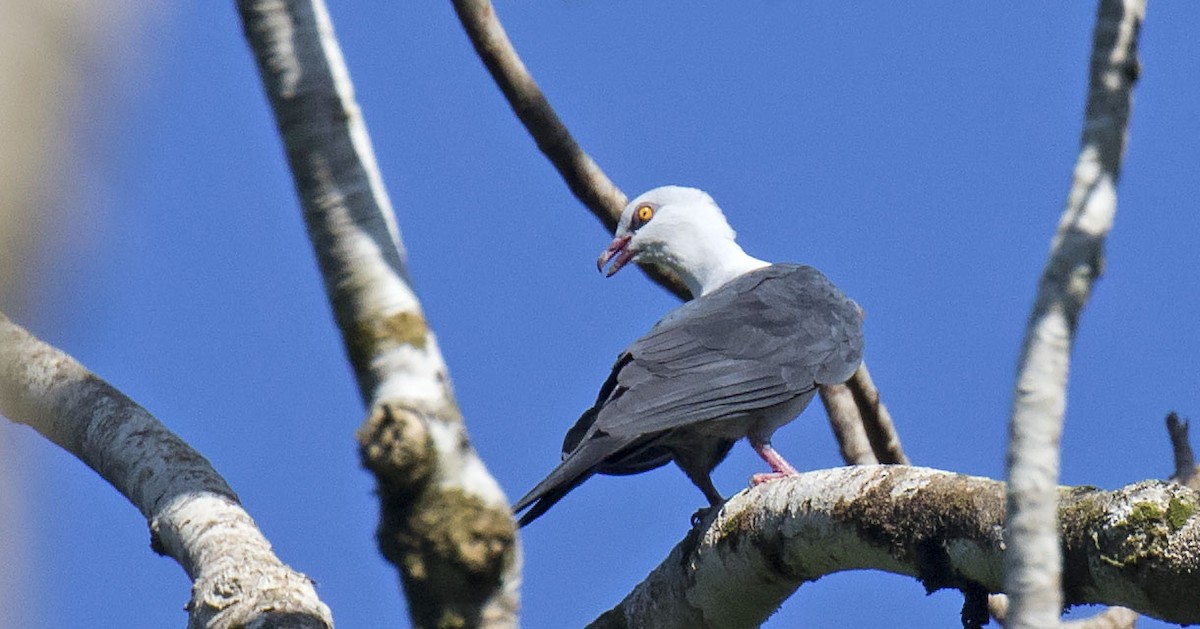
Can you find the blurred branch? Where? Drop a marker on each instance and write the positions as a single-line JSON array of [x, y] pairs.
[[53, 54], [194, 516], [1076, 259], [1114, 617], [445, 522], [1138, 546]]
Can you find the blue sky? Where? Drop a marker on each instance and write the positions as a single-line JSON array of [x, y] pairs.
[[919, 155]]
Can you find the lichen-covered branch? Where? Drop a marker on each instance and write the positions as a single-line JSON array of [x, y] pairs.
[[194, 516], [1076, 260], [1138, 546], [1120, 617], [445, 522]]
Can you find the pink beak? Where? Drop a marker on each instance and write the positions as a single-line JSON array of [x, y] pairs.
[[617, 251]]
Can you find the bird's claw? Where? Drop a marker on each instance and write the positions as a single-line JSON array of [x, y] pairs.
[[700, 514], [759, 479]]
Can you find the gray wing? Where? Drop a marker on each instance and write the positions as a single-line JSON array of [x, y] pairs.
[[764, 338]]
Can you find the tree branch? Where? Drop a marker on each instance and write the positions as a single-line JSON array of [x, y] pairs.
[[1185, 460], [847, 425], [587, 182], [1120, 617], [1138, 546], [875, 418], [445, 522], [194, 516], [582, 175], [1076, 260]]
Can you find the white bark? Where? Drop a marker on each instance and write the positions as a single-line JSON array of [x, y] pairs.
[[1032, 564], [1138, 546], [445, 522], [194, 516]]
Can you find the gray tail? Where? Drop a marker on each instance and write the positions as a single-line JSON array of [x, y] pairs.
[[549, 491], [577, 467]]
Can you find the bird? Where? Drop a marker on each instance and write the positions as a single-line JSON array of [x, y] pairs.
[[742, 358]]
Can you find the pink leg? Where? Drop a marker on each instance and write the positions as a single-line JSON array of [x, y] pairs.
[[782, 468]]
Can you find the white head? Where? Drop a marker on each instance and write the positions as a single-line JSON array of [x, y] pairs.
[[684, 230]]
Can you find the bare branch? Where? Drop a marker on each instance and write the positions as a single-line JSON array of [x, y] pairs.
[[1185, 461], [1138, 546], [1076, 260], [582, 175], [587, 182], [876, 419], [847, 425], [445, 522], [194, 516]]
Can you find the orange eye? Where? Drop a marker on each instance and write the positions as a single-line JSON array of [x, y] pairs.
[[645, 213]]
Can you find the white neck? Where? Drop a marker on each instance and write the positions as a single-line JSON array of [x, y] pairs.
[[724, 261]]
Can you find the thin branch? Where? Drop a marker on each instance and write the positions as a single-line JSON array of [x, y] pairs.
[[847, 425], [1075, 261], [582, 175], [194, 516], [587, 182], [1138, 546], [1181, 446], [876, 420], [453, 540]]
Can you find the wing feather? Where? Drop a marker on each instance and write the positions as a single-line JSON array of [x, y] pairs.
[[767, 337]]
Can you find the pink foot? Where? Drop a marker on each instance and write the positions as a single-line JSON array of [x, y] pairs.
[[781, 467], [759, 479]]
